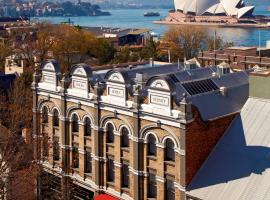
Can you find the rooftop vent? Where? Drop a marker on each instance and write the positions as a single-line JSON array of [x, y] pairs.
[[200, 87]]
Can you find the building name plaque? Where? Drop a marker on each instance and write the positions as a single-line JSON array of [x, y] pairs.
[[116, 92], [79, 85], [49, 79], [159, 100]]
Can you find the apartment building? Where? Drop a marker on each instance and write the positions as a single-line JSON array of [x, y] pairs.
[[133, 133]]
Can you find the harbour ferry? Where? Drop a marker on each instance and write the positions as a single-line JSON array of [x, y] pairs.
[[151, 14]]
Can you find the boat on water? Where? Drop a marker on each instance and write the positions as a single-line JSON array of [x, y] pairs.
[[151, 14]]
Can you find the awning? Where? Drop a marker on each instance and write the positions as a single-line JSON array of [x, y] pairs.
[[105, 197]]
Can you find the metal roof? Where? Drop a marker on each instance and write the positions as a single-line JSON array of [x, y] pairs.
[[239, 166]]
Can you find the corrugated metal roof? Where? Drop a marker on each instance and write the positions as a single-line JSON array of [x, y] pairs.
[[239, 166]]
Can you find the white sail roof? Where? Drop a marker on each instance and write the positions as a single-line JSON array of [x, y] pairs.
[[179, 4], [244, 10], [229, 7]]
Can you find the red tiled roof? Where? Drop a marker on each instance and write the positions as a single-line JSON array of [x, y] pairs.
[[105, 197]]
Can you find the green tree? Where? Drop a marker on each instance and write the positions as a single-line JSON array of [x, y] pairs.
[[184, 41], [149, 50], [72, 45], [104, 51], [4, 52]]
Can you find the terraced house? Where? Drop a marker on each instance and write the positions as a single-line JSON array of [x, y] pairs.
[[136, 133]]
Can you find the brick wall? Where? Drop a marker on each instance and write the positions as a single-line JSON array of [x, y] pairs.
[[201, 137]]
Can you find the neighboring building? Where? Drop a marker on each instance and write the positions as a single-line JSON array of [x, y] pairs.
[[239, 166], [121, 36], [239, 58], [16, 63], [139, 133]]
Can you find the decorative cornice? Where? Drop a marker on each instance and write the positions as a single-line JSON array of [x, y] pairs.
[[67, 147], [97, 158], [160, 145], [117, 133], [181, 152], [160, 179], [82, 151], [117, 164], [138, 173], [179, 186], [96, 128]]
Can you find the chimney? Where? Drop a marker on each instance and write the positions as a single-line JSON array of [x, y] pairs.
[[152, 64]]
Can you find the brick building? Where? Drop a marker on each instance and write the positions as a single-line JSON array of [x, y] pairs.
[[239, 58], [139, 133]]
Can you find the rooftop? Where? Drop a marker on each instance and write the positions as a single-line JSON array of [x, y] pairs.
[[241, 48], [120, 32], [239, 166]]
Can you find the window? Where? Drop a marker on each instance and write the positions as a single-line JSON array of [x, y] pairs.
[[55, 118], [87, 127], [110, 133], [152, 187], [110, 170], [75, 157], [45, 146], [88, 162], [125, 137], [56, 149], [152, 149], [125, 176], [170, 154], [45, 115], [75, 123], [170, 192]]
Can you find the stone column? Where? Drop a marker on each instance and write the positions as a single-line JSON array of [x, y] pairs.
[[118, 163], [81, 150], [137, 155], [138, 163], [97, 141], [50, 128], [64, 140]]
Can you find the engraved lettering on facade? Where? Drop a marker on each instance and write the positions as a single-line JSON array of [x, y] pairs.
[[79, 85], [159, 100], [116, 92], [49, 79]]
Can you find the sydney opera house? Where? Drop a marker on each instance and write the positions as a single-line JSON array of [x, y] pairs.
[[234, 8], [215, 12]]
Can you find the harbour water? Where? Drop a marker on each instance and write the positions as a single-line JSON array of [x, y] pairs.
[[133, 18]]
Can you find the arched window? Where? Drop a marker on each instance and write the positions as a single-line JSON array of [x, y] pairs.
[[125, 138], [152, 149], [169, 147], [170, 190], [55, 118], [56, 149], [75, 123], [152, 185], [87, 127], [45, 115], [110, 133]]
